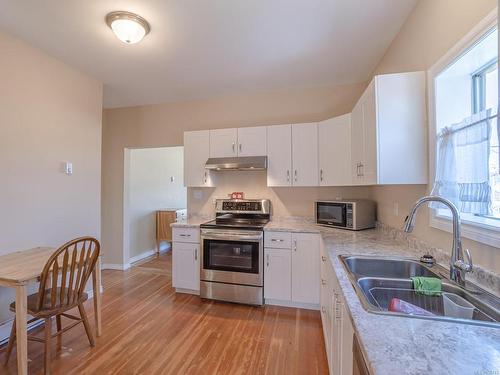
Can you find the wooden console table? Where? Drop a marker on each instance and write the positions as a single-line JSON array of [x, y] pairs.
[[163, 220]]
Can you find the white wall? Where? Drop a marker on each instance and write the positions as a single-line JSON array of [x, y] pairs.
[[150, 189], [49, 113]]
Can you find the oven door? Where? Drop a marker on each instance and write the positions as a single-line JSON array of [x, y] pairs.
[[332, 214], [232, 256]]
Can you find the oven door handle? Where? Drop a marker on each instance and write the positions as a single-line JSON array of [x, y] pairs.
[[236, 237]]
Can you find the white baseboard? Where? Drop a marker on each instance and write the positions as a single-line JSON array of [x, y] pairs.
[[126, 266], [115, 266], [187, 291], [142, 256], [298, 305]]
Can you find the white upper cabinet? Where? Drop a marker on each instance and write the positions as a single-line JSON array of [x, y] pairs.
[[305, 154], [196, 153], [249, 141], [252, 141], [223, 143], [388, 134], [334, 151], [279, 155]]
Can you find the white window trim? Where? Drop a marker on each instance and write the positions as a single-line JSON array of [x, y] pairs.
[[480, 232]]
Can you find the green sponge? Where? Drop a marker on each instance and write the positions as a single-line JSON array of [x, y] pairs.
[[427, 286]]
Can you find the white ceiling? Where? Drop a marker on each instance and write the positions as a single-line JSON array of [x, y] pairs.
[[204, 48]]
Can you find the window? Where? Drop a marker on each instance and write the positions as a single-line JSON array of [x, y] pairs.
[[465, 88]]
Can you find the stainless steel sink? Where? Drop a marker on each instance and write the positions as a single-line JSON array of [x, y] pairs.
[[387, 267], [377, 280]]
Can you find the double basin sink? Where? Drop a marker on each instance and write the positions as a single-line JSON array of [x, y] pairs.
[[377, 280]]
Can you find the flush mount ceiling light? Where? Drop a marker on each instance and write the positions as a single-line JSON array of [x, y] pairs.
[[130, 28]]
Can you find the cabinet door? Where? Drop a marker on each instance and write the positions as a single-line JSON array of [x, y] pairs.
[[305, 154], [370, 159], [277, 274], [334, 151], [357, 146], [223, 143], [347, 334], [305, 268], [336, 341], [186, 265], [279, 155], [252, 141], [196, 153]]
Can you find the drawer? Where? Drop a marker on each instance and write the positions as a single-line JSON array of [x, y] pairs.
[[186, 235], [278, 240]]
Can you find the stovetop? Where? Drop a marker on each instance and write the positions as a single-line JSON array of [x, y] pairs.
[[231, 221], [250, 214]]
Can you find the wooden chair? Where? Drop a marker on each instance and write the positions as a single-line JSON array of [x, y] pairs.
[[62, 288]]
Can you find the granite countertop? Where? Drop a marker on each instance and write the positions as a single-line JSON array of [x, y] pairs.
[[191, 222], [399, 345]]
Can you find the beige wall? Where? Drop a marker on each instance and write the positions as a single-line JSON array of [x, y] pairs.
[[164, 124], [286, 201], [432, 29], [150, 188], [49, 113]]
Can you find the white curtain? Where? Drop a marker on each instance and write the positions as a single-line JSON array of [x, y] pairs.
[[462, 164]]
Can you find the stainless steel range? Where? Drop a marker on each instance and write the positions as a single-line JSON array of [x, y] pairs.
[[232, 251]]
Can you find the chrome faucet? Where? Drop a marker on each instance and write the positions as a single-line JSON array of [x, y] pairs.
[[458, 266]]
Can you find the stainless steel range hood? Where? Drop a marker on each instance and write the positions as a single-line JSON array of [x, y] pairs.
[[246, 163]]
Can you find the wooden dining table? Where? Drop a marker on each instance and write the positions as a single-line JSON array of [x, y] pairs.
[[20, 269]]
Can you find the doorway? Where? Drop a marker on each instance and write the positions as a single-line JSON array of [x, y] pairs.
[[154, 184]]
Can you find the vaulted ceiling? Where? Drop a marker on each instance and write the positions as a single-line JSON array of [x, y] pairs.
[[198, 49]]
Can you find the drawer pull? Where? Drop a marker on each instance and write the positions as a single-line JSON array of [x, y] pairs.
[[184, 235], [276, 240], [323, 258], [323, 282]]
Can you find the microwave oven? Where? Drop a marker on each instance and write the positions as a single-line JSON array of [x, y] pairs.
[[353, 214]]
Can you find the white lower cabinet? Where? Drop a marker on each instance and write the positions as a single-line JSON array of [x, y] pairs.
[[337, 327], [305, 268], [291, 269], [278, 274], [185, 265]]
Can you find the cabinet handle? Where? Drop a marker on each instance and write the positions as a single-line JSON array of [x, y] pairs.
[[267, 260], [323, 309], [205, 177], [323, 258], [239, 146], [233, 147], [362, 165], [323, 282], [184, 235], [295, 175], [195, 254], [321, 174], [288, 175], [294, 245], [357, 169], [276, 240]]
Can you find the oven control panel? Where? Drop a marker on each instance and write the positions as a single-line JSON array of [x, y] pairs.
[[253, 206], [241, 206]]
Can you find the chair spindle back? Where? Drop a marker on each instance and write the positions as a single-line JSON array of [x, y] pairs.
[[73, 262]]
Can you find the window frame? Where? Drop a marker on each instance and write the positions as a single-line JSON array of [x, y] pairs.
[[480, 230], [479, 86]]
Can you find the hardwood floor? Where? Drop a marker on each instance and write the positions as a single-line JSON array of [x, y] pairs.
[[149, 329]]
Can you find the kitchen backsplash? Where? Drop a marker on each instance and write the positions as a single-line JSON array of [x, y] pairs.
[[286, 201]]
